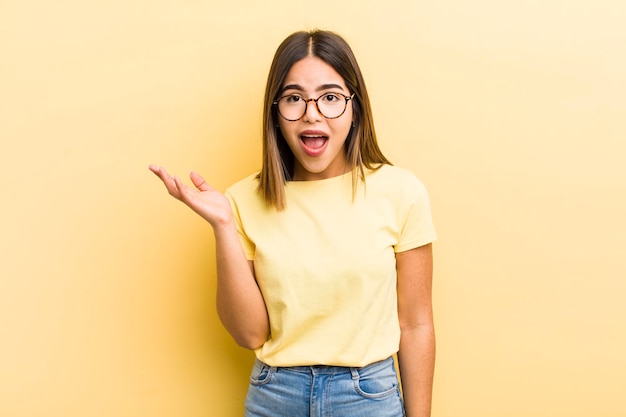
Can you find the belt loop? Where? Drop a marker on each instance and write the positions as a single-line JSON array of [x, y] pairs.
[[355, 373]]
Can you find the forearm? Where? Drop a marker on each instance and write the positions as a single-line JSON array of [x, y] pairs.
[[416, 359], [240, 304]]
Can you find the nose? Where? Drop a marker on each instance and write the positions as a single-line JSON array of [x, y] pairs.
[[311, 113]]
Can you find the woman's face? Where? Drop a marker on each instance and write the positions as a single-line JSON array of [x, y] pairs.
[[316, 142]]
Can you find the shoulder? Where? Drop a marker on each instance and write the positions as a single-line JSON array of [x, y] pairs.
[[244, 185], [391, 176], [245, 191]]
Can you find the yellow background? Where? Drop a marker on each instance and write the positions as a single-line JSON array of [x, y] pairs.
[[512, 112]]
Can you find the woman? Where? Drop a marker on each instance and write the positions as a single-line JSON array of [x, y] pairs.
[[324, 258]]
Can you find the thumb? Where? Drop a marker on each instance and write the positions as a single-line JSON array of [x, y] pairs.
[[199, 182]]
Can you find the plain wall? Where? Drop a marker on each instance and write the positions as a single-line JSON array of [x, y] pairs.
[[512, 112]]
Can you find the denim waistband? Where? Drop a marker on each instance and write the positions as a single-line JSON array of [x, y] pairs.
[[330, 369]]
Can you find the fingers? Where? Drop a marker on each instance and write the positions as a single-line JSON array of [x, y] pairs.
[[173, 187], [199, 182], [159, 172]]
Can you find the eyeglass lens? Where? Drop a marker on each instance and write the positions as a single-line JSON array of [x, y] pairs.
[[330, 105]]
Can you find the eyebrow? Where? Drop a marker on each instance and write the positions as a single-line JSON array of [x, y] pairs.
[[320, 88]]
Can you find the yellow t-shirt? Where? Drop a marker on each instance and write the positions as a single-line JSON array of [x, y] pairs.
[[326, 264]]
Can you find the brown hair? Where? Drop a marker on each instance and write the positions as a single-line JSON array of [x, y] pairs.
[[361, 145]]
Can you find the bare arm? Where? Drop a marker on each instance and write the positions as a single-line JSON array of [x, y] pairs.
[[240, 305], [417, 341]]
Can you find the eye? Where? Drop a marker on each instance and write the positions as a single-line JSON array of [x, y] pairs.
[[331, 97], [292, 99]]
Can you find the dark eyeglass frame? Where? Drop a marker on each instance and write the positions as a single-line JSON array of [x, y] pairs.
[[307, 101]]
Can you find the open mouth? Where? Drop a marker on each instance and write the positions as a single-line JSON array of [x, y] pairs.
[[313, 141]]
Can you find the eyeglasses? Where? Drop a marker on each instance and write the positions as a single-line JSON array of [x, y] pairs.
[[292, 107]]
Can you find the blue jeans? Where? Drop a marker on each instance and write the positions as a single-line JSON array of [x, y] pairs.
[[324, 391]]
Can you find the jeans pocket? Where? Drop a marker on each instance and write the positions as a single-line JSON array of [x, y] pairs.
[[376, 384], [261, 373]]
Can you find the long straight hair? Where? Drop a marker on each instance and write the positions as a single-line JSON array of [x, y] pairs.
[[361, 145]]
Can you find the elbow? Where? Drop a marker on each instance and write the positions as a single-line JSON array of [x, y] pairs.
[[250, 341], [424, 330], [249, 334], [251, 338]]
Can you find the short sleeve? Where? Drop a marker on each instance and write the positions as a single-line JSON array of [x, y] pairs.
[[417, 228], [246, 244]]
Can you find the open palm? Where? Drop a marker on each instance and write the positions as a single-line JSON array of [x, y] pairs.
[[205, 200]]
